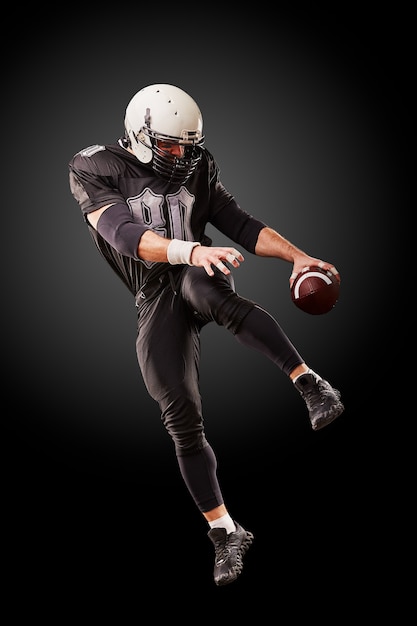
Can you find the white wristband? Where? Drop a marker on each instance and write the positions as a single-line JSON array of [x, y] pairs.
[[180, 251]]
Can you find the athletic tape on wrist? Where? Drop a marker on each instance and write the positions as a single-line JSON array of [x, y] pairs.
[[180, 251]]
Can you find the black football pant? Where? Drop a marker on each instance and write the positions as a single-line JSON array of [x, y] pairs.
[[171, 315]]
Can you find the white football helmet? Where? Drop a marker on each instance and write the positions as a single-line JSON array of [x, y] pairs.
[[165, 113]]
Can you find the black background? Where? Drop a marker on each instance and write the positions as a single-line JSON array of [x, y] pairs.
[[307, 115]]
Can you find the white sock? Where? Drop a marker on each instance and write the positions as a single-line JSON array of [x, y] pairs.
[[310, 371], [224, 522]]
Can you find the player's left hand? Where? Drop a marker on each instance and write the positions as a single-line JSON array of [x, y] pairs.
[[304, 261]]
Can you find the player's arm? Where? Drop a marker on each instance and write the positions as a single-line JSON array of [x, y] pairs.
[[152, 247], [114, 223], [271, 244], [94, 216]]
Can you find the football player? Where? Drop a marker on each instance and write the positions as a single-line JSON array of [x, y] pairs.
[[147, 200]]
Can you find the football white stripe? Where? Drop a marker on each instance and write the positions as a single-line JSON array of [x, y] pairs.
[[309, 275]]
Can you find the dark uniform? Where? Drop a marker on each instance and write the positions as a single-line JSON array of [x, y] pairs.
[[174, 302]]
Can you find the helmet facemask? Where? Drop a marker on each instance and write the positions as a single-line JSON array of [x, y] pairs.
[[171, 167]]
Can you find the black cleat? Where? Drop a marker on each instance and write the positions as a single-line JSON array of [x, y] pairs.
[[230, 549], [323, 402]]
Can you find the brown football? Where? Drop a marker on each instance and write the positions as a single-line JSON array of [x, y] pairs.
[[315, 290]]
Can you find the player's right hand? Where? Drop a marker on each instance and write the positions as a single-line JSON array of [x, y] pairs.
[[209, 257]]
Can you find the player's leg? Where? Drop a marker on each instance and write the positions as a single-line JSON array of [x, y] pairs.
[[168, 351], [214, 298], [260, 331]]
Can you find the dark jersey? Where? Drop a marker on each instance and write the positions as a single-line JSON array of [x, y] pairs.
[[101, 175]]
